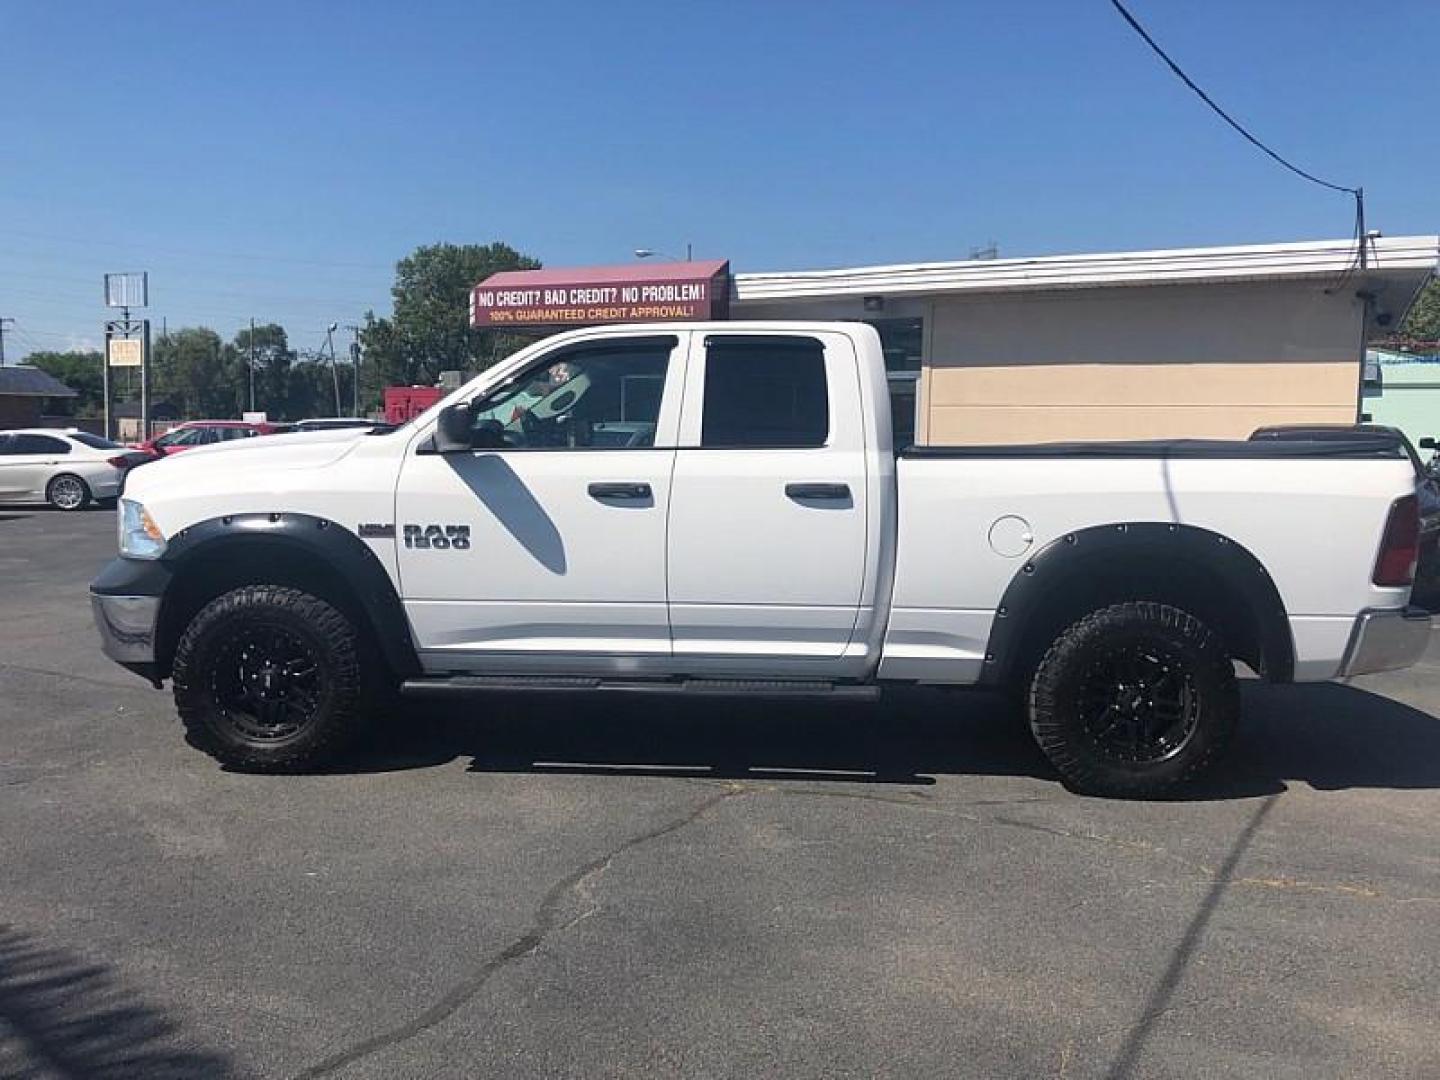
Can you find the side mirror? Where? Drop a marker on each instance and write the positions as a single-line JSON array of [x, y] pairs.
[[453, 432], [489, 435], [1427, 443]]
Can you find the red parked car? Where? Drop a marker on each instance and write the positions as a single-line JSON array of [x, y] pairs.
[[193, 433]]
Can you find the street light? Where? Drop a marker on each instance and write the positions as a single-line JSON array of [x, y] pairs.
[[355, 365], [334, 375]]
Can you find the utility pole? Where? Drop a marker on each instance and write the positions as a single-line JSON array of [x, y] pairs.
[[252, 365], [3, 320]]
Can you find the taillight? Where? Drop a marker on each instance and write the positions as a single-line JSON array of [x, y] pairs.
[[1400, 548], [120, 462]]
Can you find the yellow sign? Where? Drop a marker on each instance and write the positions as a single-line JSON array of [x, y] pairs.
[[125, 352]]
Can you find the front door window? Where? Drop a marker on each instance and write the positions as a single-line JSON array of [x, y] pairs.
[[596, 398]]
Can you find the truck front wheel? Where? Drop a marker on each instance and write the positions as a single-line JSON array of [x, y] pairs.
[[269, 678], [1133, 699]]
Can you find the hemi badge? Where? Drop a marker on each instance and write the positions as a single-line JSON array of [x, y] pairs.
[[373, 531]]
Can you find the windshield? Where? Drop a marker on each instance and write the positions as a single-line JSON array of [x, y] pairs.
[[193, 436]]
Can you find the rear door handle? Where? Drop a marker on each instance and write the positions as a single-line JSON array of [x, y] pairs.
[[620, 491], [818, 491]]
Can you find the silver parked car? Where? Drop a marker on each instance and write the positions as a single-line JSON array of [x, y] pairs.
[[67, 469]]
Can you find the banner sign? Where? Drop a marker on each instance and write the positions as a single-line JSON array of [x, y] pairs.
[[125, 352], [672, 292]]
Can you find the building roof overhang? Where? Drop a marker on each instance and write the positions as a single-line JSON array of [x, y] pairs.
[[1400, 263]]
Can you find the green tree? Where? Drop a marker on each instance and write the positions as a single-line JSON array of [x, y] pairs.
[[81, 371], [307, 390], [197, 373], [1423, 321], [273, 359], [430, 331]]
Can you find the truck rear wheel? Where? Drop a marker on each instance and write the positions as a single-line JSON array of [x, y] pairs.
[[269, 678], [1133, 699]]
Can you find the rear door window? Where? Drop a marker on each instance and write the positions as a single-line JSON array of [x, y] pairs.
[[39, 444], [763, 392]]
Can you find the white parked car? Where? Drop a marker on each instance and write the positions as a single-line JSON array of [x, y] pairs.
[[718, 509], [67, 469]]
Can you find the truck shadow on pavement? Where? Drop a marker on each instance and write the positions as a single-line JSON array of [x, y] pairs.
[[1325, 735], [61, 1015]]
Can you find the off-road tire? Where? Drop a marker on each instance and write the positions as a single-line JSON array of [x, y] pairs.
[[60, 486], [1064, 683], [205, 675]]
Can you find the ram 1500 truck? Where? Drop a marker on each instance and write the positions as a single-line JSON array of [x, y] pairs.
[[718, 509]]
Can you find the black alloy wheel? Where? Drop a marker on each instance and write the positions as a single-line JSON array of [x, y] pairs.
[[1138, 703], [267, 682]]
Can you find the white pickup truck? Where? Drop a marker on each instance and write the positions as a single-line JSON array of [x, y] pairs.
[[718, 509]]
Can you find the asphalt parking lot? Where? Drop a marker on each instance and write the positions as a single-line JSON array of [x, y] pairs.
[[620, 887]]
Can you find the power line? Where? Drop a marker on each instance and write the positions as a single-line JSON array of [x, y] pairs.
[[1206, 98]]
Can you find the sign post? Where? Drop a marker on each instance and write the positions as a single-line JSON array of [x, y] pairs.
[[127, 340]]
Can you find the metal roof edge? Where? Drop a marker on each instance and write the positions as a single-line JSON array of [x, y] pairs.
[[1311, 258]]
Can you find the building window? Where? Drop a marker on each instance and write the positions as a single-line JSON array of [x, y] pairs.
[[902, 341]]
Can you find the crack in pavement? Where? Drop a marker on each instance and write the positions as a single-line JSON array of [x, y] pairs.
[[545, 923]]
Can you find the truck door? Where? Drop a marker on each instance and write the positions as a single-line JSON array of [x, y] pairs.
[[543, 548], [767, 542]]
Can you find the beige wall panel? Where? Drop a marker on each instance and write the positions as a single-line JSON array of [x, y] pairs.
[[1178, 324], [961, 425], [1144, 385]]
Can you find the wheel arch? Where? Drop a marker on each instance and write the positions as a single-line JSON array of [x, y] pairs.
[[1200, 571], [213, 557]]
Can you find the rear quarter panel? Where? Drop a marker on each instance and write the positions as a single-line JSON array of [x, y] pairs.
[[1315, 525]]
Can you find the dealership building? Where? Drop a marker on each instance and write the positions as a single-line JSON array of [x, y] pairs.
[[1194, 342]]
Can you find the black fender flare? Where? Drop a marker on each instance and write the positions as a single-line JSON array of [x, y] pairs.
[[1060, 564], [367, 582]]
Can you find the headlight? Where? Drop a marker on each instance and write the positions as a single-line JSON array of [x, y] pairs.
[[140, 537]]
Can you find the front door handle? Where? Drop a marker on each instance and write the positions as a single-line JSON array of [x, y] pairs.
[[818, 491], [620, 491]]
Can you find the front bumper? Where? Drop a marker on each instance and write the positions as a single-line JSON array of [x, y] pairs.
[[125, 600], [127, 626], [1386, 641]]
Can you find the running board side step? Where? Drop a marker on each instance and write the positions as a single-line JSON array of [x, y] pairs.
[[460, 685]]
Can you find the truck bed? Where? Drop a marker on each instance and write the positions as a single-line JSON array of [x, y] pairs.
[[1310, 512]]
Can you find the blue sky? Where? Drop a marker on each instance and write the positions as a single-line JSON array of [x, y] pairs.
[[275, 160]]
